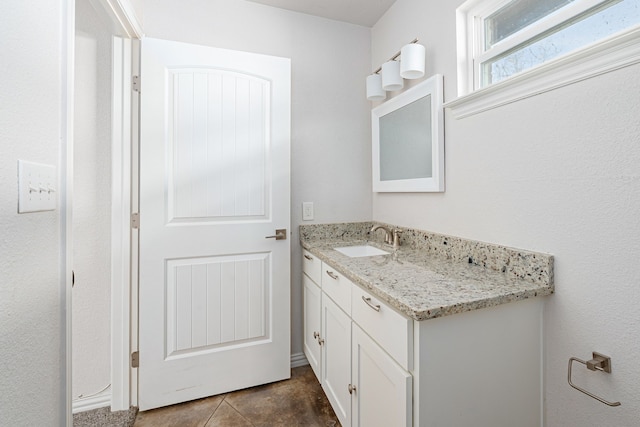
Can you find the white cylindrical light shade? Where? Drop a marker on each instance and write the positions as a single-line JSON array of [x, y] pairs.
[[374, 88], [412, 61], [391, 79]]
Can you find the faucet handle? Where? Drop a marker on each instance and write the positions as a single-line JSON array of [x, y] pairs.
[[396, 237]]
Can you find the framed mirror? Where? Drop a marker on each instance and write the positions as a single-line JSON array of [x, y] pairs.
[[408, 140]]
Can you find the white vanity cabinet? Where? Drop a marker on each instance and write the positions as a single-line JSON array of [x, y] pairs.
[[378, 367], [366, 380], [327, 332]]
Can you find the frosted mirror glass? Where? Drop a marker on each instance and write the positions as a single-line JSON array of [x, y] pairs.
[[408, 141], [405, 142]]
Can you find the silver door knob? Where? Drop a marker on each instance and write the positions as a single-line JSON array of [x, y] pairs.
[[281, 234]]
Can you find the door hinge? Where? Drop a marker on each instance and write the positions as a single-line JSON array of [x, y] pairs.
[[135, 83], [135, 360], [135, 220]]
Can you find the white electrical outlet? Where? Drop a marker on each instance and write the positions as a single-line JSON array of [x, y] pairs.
[[307, 211], [36, 187]]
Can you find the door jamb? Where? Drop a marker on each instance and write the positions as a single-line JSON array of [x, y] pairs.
[[67, 64], [126, 30], [120, 223]]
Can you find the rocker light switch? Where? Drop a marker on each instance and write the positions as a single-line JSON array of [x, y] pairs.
[[36, 187]]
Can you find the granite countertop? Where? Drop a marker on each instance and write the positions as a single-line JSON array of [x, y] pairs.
[[424, 285]]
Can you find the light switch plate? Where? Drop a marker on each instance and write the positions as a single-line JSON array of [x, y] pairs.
[[307, 211], [36, 187]]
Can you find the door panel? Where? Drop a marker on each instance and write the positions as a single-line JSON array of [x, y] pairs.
[[216, 302], [217, 153], [214, 182]]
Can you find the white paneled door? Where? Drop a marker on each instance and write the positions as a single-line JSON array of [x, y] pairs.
[[214, 301]]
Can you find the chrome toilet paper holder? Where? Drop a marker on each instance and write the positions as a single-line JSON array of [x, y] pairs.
[[599, 362]]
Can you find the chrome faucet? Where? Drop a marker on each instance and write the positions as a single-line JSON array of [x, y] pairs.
[[391, 237]]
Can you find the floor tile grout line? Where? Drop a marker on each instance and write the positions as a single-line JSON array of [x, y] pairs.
[[241, 414], [224, 396]]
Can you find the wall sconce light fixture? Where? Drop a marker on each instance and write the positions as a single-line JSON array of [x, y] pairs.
[[389, 77]]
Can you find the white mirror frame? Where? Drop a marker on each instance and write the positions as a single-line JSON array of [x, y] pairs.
[[432, 86]]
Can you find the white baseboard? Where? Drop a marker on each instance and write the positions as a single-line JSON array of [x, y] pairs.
[[298, 359], [89, 403]]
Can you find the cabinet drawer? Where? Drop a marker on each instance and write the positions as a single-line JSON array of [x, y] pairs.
[[311, 266], [390, 329], [337, 287]]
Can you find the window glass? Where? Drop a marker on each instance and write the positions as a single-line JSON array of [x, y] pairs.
[[582, 31], [517, 15]]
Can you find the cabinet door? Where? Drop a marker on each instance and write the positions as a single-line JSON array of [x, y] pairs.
[[383, 389], [336, 359], [312, 325]]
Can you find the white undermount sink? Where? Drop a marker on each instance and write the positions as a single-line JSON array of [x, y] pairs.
[[361, 251]]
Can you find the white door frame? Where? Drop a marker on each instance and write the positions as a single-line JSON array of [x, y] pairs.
[[67, 62], [120, 223], [125, 28]]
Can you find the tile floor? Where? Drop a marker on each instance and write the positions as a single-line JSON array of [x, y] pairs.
[[298, 401]]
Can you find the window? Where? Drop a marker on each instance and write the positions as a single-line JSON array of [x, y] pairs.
[[503, 40]]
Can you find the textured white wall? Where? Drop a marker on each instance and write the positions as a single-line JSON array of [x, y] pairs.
[[30, 318], [555, 173], [91, 204], [330, 144]]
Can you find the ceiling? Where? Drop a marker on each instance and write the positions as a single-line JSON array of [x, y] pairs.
[[359, 12]]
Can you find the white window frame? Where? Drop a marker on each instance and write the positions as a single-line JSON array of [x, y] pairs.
[[611, 53]]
